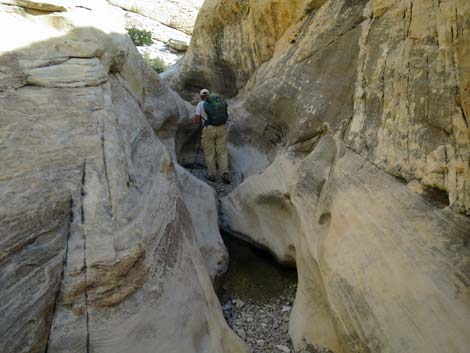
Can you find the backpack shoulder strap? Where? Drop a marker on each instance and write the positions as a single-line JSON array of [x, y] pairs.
[[208, 109]]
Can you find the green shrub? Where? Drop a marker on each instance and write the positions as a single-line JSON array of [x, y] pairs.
[[157, 64], [140, 37]]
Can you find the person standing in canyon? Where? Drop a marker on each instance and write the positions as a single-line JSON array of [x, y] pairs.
[[212, 112]]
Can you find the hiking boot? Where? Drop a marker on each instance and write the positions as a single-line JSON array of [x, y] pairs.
[[226, 178], [211, 178]]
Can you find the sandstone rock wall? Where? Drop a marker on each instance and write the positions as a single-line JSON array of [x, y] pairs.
[[179, 14], [98, 251], [233, 38], [381, 268], [170, 23], [364, 106], [391, 77]]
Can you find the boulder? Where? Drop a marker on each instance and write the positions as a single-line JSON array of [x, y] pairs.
[[178, 45]]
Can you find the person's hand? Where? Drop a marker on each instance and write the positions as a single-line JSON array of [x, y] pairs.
[[198, 120]]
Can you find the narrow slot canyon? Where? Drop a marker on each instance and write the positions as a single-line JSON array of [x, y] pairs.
[[342, 226], [256, 293]]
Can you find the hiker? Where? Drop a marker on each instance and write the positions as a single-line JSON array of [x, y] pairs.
[[212, 110]]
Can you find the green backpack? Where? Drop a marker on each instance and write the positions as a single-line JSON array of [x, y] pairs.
[[216, 109]]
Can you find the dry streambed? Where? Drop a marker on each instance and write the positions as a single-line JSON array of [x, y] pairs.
[[257, 295]]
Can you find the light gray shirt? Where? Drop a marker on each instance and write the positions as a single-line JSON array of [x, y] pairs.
[[200, 110]]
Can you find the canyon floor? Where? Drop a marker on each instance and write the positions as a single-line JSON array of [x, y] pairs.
[[257, 295]]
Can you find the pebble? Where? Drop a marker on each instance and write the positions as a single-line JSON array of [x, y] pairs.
[[239, 304], [286, 308], [242, 334], [283, 348], [260, 343]]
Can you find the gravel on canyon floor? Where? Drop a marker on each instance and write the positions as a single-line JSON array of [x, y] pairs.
[[264, 325]]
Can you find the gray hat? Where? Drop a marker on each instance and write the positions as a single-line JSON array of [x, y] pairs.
[[204, 92]]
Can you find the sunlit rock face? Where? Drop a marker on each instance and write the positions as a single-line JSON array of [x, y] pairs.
[[233, 38], [98, 250], [178, 14], [362, 108], [400, 96], [170, 22]]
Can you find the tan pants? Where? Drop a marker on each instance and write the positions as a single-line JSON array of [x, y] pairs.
[[214, 142]]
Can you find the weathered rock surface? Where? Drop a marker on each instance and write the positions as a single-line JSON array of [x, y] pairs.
[[202, 205], [358, 245], [161, 35], [362, 108], [179, 14], [233, 38], [98, 251], [398, 96], [46, 6], [170, 22]]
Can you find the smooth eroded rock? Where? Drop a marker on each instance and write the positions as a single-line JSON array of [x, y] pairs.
[[98, 251]]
